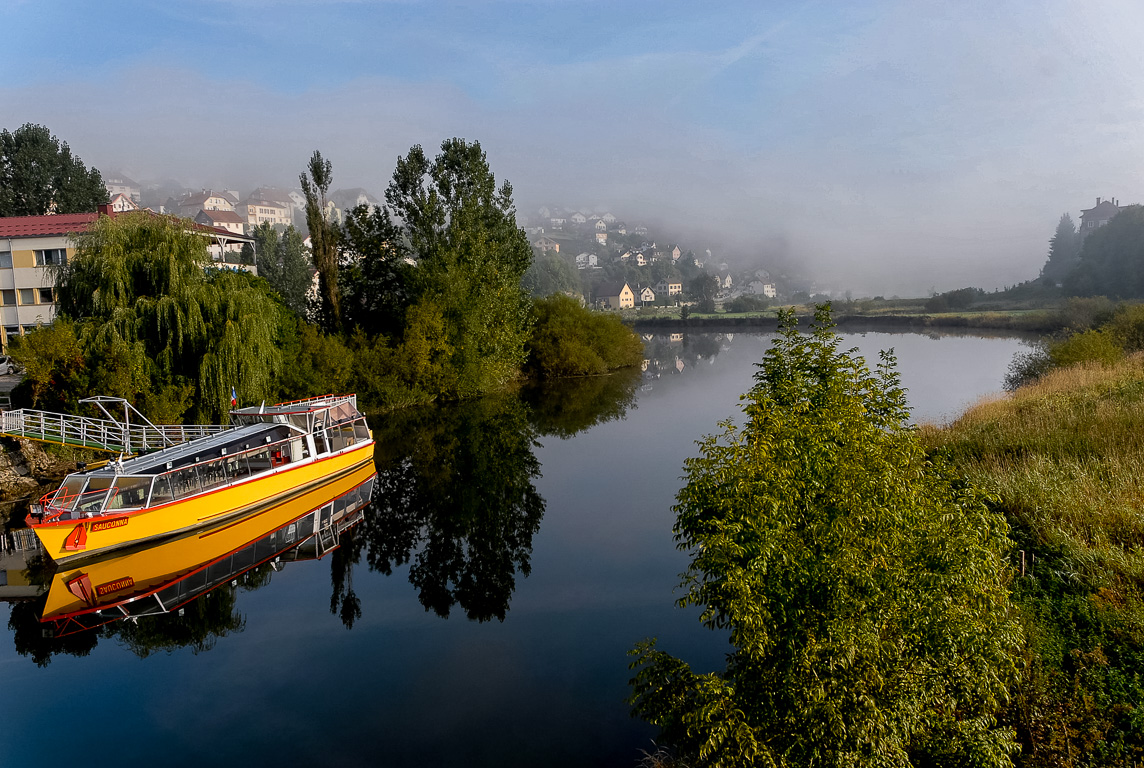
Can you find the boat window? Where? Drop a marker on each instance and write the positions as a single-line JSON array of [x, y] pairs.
[[91, 501], [68, 493], [361, 430], [237, 467], [212, 474], [342, 411], [161, 493], [259, 460], [184, 482], [341, 437], [130, 492]]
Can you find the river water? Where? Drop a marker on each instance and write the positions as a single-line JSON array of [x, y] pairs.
[[480, 615]]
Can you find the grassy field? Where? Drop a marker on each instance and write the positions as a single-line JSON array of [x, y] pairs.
[[1064, 458]]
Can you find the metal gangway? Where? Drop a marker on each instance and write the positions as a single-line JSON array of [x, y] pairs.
[[129, 435]]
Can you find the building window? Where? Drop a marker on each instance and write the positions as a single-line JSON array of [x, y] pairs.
[[50, 257], [11, 330], [5, 259], [8, 298], [27, 296], [46, 296]]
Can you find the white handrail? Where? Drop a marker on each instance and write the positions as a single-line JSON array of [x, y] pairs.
[[103, 434]]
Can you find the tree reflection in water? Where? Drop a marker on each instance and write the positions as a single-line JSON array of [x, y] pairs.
[[456, 499], [197, 626]]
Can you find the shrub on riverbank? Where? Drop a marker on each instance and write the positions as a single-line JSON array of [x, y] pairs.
[[1094, 331], [1065, 458], [568, 340]]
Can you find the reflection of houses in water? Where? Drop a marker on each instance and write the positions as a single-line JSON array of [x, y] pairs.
[[663, 353], [16, 548], [165, 577]]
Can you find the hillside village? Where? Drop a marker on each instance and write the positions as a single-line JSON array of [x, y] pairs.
[[617, 266], [228, 208], [592, 255]]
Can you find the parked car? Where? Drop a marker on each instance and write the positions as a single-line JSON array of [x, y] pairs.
[[8, 365]]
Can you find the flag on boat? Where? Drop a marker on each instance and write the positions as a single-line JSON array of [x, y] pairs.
[[233, 398]]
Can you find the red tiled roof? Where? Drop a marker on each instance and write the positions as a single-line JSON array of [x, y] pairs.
[[45, 226], [222, 217], [67, 223]]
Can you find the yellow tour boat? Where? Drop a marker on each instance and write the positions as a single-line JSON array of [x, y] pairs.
[[165, 576], [270, 455]]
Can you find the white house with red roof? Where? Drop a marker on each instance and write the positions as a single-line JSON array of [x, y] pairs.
[[121, 203]]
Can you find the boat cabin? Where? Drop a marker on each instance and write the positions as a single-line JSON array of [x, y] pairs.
[[263, 439]]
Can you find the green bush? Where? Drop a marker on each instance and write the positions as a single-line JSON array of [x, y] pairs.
[[568, 340], [1095, 346], [862, 586], [748, 304]]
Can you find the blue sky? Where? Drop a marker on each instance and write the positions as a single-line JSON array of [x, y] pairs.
[[885, 146]]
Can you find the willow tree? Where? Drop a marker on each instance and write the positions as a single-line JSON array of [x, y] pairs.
[[862, 588], [142, 286]]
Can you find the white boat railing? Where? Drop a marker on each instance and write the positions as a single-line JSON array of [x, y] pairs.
[[100, 434]]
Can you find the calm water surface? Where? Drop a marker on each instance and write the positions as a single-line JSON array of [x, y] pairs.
[[515, 550]]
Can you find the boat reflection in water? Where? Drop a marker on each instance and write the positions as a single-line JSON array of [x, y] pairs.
[[165, 577]]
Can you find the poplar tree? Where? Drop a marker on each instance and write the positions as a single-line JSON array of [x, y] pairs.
[[323, 239], [1064, 251]]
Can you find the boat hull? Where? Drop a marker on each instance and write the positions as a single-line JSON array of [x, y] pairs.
[[68, 541], [131, 574]]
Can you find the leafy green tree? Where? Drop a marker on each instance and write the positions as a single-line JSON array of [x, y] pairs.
[[471, 255], [39, 175], [551, 274], [704, 287], [375, 276], [323, 239], [663, 270], [861, 587], [283, 261], [139, 286], [1064, 251], [54, 366]]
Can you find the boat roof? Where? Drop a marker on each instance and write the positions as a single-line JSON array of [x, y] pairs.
[[156, 462], [307, 405]]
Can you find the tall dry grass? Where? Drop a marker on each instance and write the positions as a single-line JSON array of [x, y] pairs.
[[1065, 457]]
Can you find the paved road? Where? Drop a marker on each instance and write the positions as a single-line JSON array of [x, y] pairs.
[[8, 383]]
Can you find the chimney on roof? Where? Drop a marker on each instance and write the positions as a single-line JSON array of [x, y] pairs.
[[104, 209], [1098, 201]]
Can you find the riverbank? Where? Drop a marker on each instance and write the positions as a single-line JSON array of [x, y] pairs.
[[1035, 321], [1063, 459]]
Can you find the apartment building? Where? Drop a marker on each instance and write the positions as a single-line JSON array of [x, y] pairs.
[[32, 246]]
